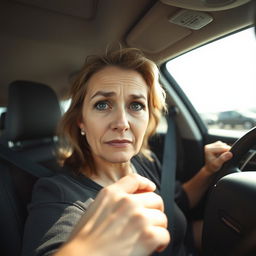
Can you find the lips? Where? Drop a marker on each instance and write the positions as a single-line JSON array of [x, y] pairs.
[[119, 143]]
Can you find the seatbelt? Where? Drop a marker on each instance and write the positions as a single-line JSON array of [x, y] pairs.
[[27, 165], [169, 174]]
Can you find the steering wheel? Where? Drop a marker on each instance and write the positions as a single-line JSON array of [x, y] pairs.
[[239, 150], [229, 216]]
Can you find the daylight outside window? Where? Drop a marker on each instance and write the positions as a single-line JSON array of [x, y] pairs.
[[219, 79]]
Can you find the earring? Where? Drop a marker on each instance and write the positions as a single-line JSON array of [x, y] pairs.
[[82, 132]]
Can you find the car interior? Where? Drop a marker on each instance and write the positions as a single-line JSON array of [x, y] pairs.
[[43, 46]]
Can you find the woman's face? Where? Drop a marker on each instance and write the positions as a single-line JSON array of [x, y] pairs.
[[115, 114]]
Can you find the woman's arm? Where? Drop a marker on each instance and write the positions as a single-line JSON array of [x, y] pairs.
[[215, 155], [126, 218]]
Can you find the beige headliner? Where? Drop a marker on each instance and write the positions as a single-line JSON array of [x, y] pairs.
[[47, 41]]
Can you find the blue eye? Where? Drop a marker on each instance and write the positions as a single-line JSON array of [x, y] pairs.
[[136, 106], [102, 105]]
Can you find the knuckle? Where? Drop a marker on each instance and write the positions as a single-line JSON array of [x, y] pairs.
[[109, 193], [140, 219], [165, 220], [106, 191], [127, 203], [157, 198], [126, 200], [207, 148], [149, 234]]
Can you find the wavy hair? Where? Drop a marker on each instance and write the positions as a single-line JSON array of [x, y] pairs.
[[74, 150]]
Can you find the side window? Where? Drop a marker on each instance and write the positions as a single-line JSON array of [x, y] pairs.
[[2, 118], [64, 105], [219, 80]]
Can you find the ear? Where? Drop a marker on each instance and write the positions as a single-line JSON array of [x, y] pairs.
[[80, 124]]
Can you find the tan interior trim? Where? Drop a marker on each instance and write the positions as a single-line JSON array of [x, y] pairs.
[[143, 35], [156, 22]]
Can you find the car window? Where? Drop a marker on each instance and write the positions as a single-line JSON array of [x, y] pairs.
[[2, 119], [64, 105], [2, 110], [219, 80]]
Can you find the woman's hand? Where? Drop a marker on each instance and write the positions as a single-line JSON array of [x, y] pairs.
[[216, 154], [126, 218]]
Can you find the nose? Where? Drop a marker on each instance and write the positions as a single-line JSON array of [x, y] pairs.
[[120, 121]]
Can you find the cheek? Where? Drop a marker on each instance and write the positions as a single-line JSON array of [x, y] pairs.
[[93, 137], [92, 130], [141, 127]]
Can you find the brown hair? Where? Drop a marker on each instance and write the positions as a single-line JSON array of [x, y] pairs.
[[74, 150]]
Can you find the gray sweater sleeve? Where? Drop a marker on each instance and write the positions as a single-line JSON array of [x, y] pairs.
[[57, 205]]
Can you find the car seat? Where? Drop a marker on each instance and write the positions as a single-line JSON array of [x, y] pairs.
[[33, 112], [32, 115]]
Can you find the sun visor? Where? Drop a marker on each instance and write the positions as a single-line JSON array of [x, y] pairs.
[[206, 5], [154, 25]]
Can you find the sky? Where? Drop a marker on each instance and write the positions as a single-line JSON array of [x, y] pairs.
[[219, 76]]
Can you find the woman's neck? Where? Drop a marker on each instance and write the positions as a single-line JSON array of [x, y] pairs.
[[107, 173]]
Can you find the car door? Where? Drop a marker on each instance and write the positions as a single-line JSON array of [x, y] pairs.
[[202, 83]]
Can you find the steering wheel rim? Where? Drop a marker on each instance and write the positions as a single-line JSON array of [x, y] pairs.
[[239, 149]]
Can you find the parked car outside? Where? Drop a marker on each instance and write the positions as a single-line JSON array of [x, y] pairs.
[[246, 119], [209, 118]]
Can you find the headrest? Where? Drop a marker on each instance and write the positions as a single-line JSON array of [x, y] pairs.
[[33, 111]]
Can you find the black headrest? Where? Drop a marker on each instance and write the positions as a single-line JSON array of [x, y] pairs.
[[33, 111]]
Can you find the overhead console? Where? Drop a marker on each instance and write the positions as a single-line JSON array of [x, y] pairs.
[[184, 23]]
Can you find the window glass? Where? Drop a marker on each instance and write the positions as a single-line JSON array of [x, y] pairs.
[[219, 80], [2, 110], [2, 119], [64, 105]]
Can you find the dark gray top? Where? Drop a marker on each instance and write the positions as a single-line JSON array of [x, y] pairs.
[[59, 201]]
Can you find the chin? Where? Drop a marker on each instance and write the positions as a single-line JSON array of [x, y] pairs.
[[119, 158]]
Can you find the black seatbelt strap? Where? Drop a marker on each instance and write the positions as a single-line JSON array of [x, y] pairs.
[[27, 165], [168, 174]]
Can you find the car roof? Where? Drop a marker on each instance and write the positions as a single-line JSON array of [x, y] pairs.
[[48, 41]]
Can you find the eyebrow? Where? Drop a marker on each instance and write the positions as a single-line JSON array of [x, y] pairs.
[[111, 94], [102, 93], [138, 96]]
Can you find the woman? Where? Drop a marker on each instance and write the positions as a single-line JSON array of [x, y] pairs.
[[116, 105]]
